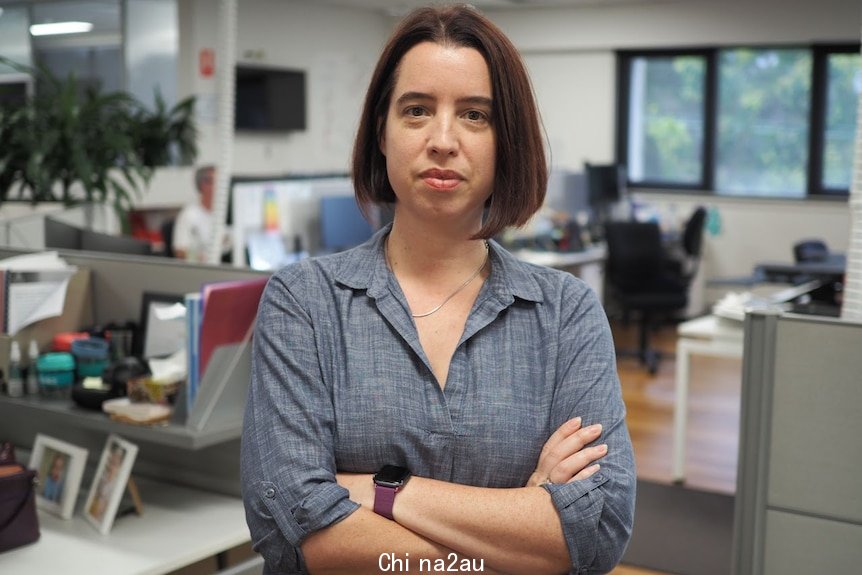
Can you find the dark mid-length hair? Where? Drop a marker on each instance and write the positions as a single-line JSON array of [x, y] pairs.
[[521, 172]]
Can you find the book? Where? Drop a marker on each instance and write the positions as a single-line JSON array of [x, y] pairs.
[[228, 311], [193, 345]]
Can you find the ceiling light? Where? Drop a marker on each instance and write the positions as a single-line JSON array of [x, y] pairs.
[[55, 28]]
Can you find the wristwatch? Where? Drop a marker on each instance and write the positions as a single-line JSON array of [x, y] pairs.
[[387, 482]]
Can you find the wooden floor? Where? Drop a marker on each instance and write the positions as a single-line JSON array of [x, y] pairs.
[[711, 444]]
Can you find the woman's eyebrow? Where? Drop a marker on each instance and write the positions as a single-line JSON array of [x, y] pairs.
[[414, 96]]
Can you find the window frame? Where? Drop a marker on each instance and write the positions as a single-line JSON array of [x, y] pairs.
[[819, 87], [817, 116]]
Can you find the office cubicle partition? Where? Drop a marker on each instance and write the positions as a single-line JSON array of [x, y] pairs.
[[799, 493], [201, 453]]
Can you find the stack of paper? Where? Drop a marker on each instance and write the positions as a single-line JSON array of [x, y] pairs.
[[32, 287]]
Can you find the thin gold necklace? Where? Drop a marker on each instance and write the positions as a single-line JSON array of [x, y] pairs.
[[454, 293]]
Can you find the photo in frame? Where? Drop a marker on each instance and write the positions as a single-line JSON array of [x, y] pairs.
[[109, 483], [60, 467], [163, 325]]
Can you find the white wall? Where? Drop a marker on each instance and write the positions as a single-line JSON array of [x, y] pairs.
[[337, 47]]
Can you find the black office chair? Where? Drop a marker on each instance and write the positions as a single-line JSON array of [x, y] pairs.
[[643, 280], [692, 244], [810, 251]]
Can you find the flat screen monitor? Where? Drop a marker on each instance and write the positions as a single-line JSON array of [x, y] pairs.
[[342, 224], [269, 99], [98, 242], [62, 236], [605, 184]]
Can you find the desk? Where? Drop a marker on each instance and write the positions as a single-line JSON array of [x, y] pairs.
[[709, 335], [179, 526], [587, 264]]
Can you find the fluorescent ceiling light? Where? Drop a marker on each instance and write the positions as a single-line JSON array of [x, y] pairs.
[[55, 28]]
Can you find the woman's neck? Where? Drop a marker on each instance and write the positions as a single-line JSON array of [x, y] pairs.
[[417, 252]]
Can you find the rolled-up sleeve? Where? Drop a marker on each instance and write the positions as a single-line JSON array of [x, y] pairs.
[[596, 513], [287, 465]]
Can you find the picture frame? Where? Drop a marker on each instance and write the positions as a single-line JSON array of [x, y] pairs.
[[59, 465], [109, 482], [163, 325]]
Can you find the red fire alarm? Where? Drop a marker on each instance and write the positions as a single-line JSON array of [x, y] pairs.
[[206, 61]]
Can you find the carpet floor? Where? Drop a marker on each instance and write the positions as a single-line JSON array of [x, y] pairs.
[[681, 531]]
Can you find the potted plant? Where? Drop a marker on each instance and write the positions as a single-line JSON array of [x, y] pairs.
[[74, 145]]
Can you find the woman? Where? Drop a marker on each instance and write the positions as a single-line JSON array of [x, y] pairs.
[[426, 399]]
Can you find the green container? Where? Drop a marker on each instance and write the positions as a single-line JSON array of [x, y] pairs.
[[91, 356], [56, 371]]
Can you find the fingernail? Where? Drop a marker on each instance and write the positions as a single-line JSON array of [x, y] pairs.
[[603, 447], [576, 421], [597, 428]]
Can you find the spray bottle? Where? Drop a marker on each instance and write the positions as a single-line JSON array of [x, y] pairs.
[[32, 377], [14, 383]]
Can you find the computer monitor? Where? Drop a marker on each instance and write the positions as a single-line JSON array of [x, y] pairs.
[[605, 184], [342, 224], [605, 189], [62, 236], [98, 242], [567, 192]]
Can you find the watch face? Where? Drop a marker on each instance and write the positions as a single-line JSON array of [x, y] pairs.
[[391, 476]]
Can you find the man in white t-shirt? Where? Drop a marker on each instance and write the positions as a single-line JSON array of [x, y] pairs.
[[193, 227]]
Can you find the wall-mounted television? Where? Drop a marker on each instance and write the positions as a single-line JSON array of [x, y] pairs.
[[269, 99]]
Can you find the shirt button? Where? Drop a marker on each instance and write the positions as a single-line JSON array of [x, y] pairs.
[[598, 478], [269, 493]]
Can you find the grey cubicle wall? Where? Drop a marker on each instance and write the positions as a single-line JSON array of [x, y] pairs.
[[799, 482], [206, 457], [119, 281]]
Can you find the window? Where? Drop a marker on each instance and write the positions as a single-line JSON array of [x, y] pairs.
[[768, 122], [843, 86], [763, 112], [665, 141]]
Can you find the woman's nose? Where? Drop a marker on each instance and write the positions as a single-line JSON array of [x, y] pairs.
[[443, 136]]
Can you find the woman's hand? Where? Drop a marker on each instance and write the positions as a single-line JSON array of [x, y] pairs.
[[360, 486], [565, 457]]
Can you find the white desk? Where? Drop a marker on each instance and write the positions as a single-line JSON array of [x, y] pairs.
[[709, 335], [179, 526], [587, 264]]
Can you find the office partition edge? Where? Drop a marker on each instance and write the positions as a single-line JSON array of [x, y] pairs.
[[754, 429]]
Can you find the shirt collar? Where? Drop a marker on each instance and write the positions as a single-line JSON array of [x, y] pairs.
[[366, 268]]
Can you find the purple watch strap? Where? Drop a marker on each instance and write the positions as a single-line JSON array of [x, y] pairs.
[[384, 499]]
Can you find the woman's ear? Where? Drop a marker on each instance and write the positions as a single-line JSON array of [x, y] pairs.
[[381, 136]]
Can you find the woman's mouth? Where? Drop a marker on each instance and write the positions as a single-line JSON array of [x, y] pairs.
[[441, 179]]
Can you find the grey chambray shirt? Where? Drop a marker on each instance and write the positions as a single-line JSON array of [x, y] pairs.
[[340, 383]]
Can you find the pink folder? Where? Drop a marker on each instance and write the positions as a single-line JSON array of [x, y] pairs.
[[229, 311]]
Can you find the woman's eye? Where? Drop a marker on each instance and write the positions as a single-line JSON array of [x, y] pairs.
[[476, 116], [415, 111]]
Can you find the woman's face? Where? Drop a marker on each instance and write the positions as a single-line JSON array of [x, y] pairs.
[[439, 139]]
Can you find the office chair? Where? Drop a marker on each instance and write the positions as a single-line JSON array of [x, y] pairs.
[[810, 251], [691, 245], [641, 280]]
